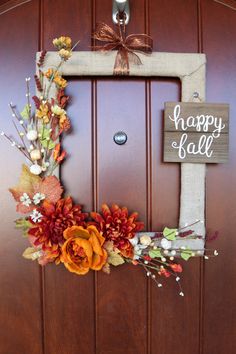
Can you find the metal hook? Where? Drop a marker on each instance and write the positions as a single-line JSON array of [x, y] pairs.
[[120, 9]]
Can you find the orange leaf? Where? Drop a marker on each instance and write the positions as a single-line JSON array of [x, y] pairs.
[[51, 188], [32, 184]]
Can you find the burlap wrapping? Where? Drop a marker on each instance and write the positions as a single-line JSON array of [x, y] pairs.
[[190, 68]]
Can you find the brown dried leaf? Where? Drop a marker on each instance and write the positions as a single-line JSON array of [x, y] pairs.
[[106, 268]]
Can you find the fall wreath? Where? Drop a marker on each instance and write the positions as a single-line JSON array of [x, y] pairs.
[[58, 230]]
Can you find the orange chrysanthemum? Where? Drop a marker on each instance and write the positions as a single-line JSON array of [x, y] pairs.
[[56, 218], [83, 250], [118, 226]]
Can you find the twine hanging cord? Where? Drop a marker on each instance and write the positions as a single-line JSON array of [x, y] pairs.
[[125, 46]]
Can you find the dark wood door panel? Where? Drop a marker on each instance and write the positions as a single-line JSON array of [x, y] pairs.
[[122, 179], [69, 313], [20, 294], [121, 297], [168, 24], [219, 31]]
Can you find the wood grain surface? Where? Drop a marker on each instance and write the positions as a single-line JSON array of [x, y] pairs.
[[50, 311]]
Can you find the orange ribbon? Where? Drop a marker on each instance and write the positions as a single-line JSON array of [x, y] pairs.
[[125, 46]]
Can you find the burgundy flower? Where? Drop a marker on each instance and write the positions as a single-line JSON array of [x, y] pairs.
[[118, 226]]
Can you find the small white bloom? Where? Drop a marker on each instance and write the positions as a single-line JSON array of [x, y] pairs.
[[32, 135], [145, 240], [36, 216], [173, 252], [58, 111], [137, 250], [35, 169], [134, 241], [216, 253], [166, 244], [36, 255], [25, 199], [38, 197]]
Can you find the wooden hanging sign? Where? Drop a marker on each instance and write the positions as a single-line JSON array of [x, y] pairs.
[[196, 132]]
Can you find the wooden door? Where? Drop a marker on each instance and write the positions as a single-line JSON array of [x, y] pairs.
[[50, 311]]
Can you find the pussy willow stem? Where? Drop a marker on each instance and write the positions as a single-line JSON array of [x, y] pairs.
[[28, 99], [17, 117], [22, 139], [15, 145], [150, 267]]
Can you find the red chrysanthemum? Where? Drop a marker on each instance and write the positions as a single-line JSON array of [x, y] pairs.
[[56, 217], [118, 226]]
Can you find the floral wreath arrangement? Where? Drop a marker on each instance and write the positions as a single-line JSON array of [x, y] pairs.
[[58, 230]]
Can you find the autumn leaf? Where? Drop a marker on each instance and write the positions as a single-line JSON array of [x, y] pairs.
[[31, 184], [115, 259], [45, 134], [106, 268], [26, 185], [170, 234], [31, 253], [25, 114], [24, 225], [51, 188], [155, 253], [186, 254], [109, 246]]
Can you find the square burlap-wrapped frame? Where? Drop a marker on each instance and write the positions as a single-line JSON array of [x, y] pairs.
[[191, 70]]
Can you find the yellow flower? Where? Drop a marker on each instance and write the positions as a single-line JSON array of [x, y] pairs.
[[65, 54], [62, 42], [64, 123], [43, 113], [51, 73], [59, 81]]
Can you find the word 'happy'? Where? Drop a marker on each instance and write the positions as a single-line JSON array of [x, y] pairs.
[[201, 123]]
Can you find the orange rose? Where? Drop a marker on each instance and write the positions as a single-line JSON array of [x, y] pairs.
[[83, 250]]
